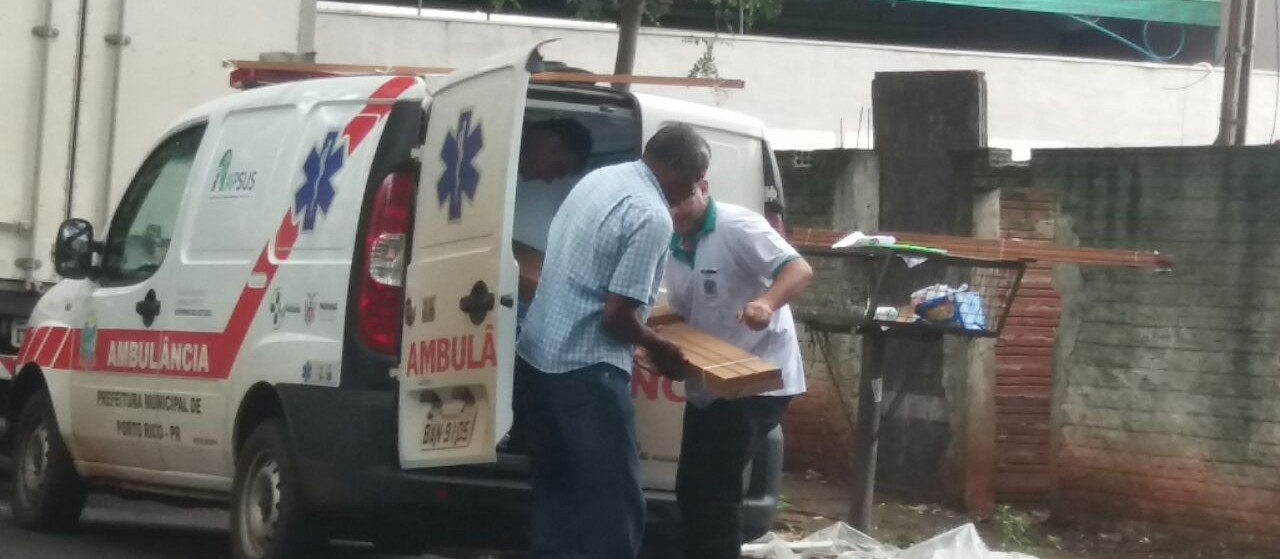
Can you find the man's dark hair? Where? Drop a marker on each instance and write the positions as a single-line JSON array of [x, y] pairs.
[[680, 147], [574, 134]]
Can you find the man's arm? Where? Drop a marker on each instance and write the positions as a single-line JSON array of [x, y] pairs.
[[760, 249], [630, 287], [622, 320], [791, 281]]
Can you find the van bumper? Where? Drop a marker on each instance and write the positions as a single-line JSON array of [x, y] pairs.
[[345, 441]]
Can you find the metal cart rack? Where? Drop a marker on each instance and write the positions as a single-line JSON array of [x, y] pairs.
[[898, 292]]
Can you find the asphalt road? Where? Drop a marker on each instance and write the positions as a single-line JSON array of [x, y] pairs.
[[114, 528]]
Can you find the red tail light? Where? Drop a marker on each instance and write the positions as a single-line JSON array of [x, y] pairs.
[[381, 288]]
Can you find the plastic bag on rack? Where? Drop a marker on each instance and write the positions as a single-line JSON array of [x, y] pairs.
[[943, 304]]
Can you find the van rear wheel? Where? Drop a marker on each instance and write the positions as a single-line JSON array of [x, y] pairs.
[[48, 493], [269, 516]]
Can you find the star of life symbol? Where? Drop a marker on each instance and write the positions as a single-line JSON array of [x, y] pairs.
[[316, 194], [460, 176]]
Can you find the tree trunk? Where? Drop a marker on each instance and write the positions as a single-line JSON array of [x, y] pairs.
[[629, 14]]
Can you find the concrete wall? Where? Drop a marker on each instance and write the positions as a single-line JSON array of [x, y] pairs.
[[814, 94], [1167, 384]]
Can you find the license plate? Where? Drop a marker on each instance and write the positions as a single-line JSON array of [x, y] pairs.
[[450, 423], [453, 433], [17, 333]]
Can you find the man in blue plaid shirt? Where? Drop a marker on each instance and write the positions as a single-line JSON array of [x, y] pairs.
[[606, 253]]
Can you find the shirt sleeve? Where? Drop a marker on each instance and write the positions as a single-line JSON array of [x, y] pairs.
[[644, 241], [760, 249]]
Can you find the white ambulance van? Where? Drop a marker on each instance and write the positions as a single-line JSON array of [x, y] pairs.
[[303, 308]]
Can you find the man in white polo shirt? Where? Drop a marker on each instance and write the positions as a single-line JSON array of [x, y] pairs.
[[730, 275]]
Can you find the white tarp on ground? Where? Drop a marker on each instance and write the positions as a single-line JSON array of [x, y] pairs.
[[840, 541]]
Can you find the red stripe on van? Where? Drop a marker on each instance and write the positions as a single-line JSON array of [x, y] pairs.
[[49, 353], [363, 123], [32, 344]]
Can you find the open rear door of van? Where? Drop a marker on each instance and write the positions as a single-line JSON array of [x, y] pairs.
[[458, 353]]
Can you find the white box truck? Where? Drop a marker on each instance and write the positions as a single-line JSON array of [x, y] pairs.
[[89, 85]]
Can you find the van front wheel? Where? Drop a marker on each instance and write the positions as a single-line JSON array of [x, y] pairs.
[[269, 518], [48, 493]]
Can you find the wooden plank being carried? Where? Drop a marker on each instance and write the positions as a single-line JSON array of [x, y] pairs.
[[1002, 249], [726, 371]]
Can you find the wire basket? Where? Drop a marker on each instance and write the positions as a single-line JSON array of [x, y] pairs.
[[908, 292]]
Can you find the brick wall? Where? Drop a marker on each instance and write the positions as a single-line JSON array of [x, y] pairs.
[[1024, 356], [1167, 386]]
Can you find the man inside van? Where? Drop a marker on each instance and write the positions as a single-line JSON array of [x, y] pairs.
[[605, 259], [730, 275], [553, 154]]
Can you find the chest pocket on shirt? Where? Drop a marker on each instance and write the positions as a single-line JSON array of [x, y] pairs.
[[709, 280]]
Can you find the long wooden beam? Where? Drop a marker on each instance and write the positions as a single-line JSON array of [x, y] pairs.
[[1003, 249], [309, 70]]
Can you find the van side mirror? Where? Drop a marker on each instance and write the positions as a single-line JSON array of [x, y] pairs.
[[74, 248]]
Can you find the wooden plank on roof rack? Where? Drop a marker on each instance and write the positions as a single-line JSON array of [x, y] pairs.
[[631, 79], [542, 77], [337, 68], [1003, 249]]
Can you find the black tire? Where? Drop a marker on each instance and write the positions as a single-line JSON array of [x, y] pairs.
[[269, 514], [48, 492]]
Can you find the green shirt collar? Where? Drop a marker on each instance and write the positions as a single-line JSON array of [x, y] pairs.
[[708, 226]]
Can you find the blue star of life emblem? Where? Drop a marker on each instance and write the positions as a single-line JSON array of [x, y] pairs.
[[460, 176], [317, 193]]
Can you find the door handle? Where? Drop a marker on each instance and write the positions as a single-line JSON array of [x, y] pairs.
[[148, 308], [478, 303]]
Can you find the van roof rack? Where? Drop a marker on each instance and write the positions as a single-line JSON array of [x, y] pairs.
[[248, 74]]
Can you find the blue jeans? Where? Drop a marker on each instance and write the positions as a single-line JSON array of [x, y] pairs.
[[587, 500]]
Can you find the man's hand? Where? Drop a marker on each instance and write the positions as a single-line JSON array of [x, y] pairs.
[[756, 315], [667, 358]]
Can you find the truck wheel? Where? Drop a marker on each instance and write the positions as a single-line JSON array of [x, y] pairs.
[[269, 518], [48, 493]]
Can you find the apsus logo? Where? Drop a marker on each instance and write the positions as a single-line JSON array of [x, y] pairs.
[[228, 182], [457, 353], [172, 357]]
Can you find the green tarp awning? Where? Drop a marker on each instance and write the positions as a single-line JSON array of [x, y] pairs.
[[1192, 12]]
